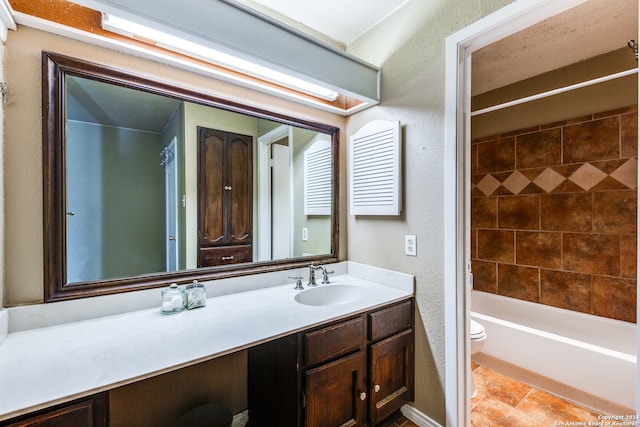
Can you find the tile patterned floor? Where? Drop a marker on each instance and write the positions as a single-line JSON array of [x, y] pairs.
[[504, 402]]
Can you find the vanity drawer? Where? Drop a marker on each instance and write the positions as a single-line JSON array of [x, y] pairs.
[[332, 341], [223, 255], [390, 320]]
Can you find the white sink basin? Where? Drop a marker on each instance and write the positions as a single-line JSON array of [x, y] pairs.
[[331, 295]]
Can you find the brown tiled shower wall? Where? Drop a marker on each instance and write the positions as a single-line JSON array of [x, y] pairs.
[[554, 214]]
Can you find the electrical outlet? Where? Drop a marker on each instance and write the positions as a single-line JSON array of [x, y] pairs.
[[410, 246], [305, 234]]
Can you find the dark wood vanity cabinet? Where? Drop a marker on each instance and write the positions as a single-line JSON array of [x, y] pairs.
[[391, 360], [354, 372], [334, 383], [225, 220], [90, 411], [335, 393]]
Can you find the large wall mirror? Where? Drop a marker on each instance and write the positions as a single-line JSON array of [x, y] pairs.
[[147, 183]]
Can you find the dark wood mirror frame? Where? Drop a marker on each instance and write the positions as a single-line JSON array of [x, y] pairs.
[[54, 69]]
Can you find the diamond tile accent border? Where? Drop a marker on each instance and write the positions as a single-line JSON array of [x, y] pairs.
[[516, 182], [549, 180], [488, 185], [627, 174], [586, 177]]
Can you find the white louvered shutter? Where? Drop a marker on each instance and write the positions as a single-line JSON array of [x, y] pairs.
[[317, 179], [375, 154]]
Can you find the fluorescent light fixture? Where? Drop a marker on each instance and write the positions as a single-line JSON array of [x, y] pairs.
[[131, 29]]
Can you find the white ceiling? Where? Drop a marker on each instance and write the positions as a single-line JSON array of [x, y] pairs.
[[340, 20], [590, 29]]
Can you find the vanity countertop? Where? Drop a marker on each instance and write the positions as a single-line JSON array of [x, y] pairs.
[[48, 365]]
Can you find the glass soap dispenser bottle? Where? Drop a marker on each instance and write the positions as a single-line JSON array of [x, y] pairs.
[[173, 299]]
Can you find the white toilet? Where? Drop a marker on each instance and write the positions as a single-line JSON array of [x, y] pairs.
[[478, 336]]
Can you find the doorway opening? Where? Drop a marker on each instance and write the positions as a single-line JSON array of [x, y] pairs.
[[274, 189], [519, 18]]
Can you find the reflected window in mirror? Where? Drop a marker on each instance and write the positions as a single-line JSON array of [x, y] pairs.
[[147, 184]]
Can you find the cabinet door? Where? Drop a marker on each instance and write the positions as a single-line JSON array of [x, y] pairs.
[[335, 393], [274, 383], [211, 184], [239, 189], [391, 375], [87, 412]]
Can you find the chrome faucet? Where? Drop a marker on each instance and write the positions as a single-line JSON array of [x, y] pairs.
[[312, 275]]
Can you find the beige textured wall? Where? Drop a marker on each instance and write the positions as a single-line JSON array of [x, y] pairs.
[[410, 48], [23, 143], [2, 180]]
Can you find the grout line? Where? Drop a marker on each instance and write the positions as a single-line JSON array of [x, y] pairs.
[[525, 396]]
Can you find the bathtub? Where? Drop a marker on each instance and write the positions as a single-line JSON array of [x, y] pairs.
[[591, 354]]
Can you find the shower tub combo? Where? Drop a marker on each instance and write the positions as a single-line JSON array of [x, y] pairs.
[[589, 354]]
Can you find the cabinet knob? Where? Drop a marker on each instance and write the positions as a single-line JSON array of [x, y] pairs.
[[376, 388], [227, 187], [172, 238], [363, 395]]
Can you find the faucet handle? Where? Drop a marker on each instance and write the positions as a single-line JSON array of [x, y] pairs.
[[298, 282], [325, 276]]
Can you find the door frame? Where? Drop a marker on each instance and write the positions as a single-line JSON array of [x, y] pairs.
[[264, 188], [171, 169], [457, 278], [281, 202]]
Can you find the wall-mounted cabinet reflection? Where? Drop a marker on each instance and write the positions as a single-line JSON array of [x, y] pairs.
[[225, 219]]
